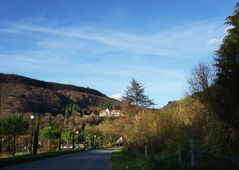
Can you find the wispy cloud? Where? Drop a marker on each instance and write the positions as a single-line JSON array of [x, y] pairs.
[[106, 59], [174, 42], [213, 41]]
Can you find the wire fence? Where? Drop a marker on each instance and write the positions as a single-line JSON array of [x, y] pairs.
[[189, 161]]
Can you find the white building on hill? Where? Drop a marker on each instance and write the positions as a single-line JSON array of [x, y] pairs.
[[110, 113]]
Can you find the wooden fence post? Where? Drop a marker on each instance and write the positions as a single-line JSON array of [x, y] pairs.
[[192, 154], [179, 154], [145, 151], [163, 154]]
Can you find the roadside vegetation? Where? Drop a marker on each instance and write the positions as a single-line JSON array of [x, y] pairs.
[[200, 131], [126, 160], [23, 157], [32, 136]]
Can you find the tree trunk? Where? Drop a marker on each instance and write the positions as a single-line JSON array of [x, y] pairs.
[[59, 142]]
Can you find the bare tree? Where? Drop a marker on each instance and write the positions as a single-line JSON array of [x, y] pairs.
[[200, 86], [201, 79]]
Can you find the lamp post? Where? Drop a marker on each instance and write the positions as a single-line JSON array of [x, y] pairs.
[[36, 134], [32, 116], [94, 140], [77, 133]]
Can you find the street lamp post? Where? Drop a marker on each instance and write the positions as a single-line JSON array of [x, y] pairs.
[[32, 116], [94, 140], [77, 133]]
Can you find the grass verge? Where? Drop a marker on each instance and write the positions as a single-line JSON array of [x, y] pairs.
[[123, 161], [128, 161], [27, 158]]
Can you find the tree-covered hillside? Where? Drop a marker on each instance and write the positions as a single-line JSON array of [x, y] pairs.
[[22, 94]]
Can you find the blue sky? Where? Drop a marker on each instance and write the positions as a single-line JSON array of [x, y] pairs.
[[102, 44]]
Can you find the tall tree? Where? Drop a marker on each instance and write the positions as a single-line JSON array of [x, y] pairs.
[[135, 95], [68, 136], [227, 63], [50, 133], [13, 126]]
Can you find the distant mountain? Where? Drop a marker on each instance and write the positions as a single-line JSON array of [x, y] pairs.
[[23, 94]]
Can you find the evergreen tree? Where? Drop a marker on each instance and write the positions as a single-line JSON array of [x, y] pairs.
[[227, 63], [72, 109], [135, 95], [14, 125]]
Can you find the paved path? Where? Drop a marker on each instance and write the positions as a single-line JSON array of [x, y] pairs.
[[95, 159]]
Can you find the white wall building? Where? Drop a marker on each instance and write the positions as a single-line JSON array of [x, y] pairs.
[[110, 113]]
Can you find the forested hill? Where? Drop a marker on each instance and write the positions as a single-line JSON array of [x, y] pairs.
[[23, 94]]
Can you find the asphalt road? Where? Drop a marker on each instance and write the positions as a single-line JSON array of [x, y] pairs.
[[94, 159]]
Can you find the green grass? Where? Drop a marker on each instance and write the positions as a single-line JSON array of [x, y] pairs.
[[121, 160], [128, 161], [207, 162], [201, 163], [21, 153], [167, 162], [7, 155], [27, 158]]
